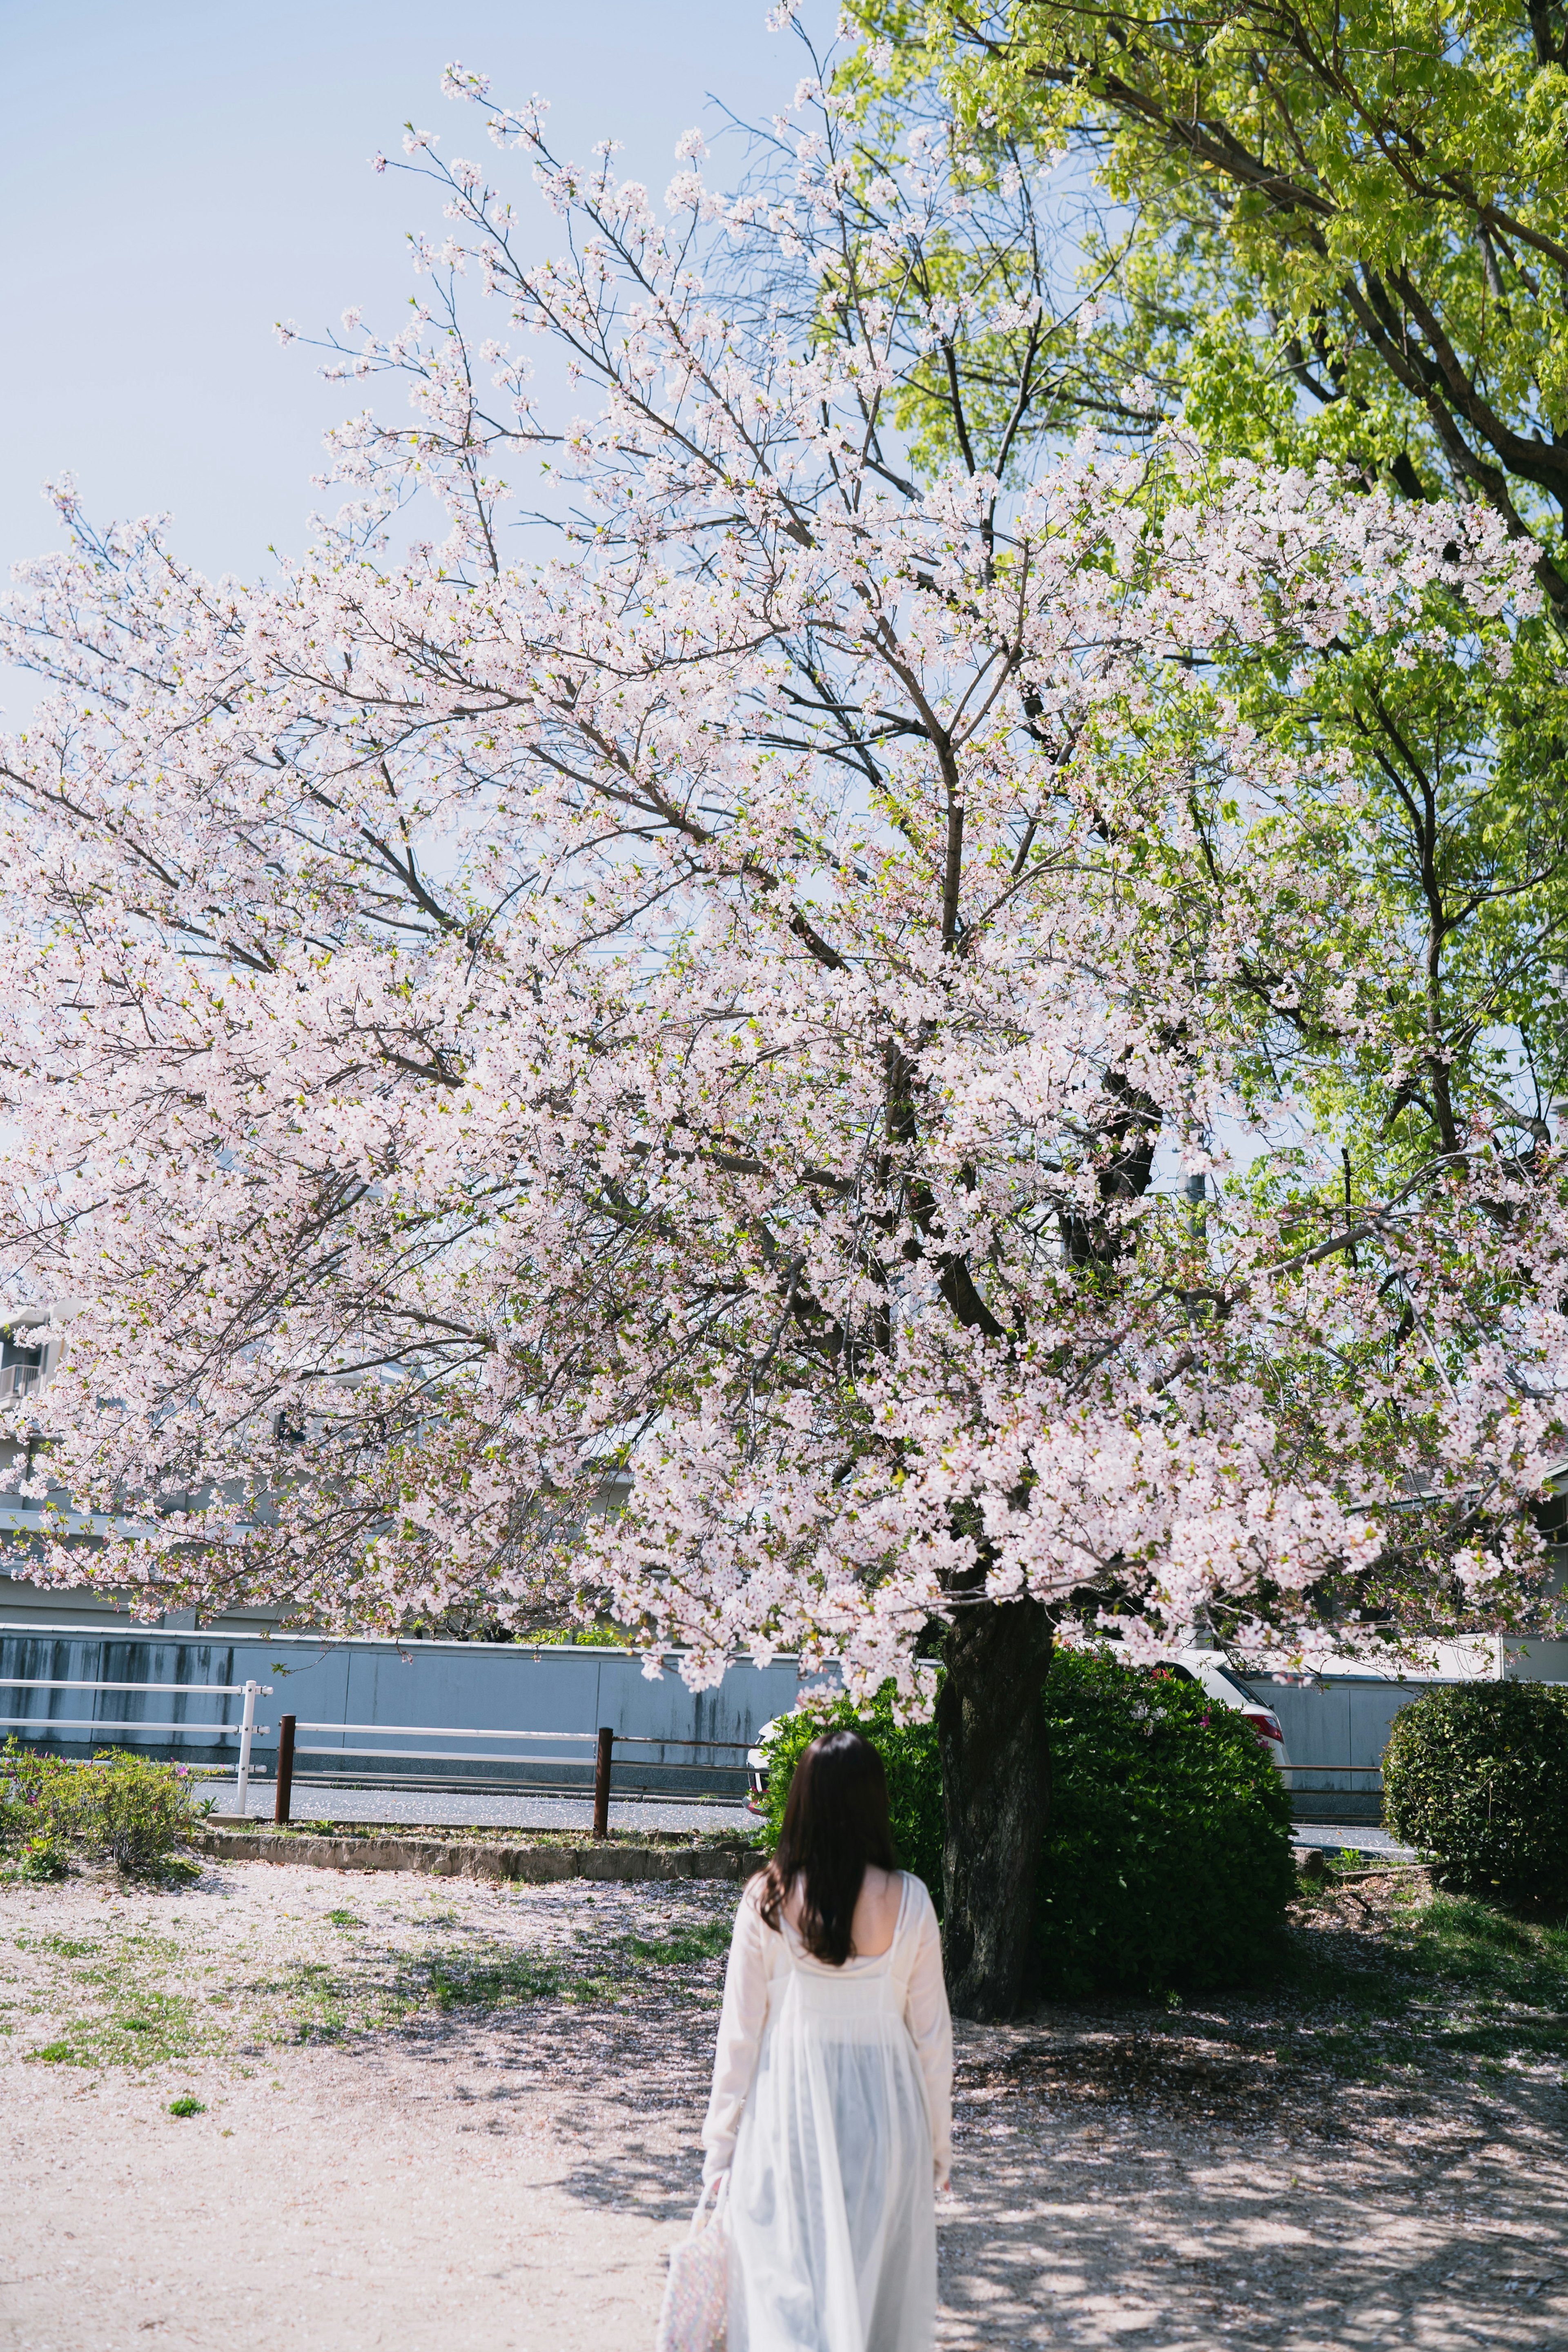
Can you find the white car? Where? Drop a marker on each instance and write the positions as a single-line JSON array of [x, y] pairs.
[[1206, 1667], [756, 1765], [1221, 1682]]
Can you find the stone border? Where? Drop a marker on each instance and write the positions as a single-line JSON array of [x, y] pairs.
[[441, 1858]]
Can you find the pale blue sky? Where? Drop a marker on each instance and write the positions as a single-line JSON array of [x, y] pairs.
[[175, 174]]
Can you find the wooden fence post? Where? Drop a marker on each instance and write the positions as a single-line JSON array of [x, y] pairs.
[[284, 1770], [601, 1781]]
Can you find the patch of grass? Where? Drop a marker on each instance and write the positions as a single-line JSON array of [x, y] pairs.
[[496, 1980], [490, 1976], [128, 2018], [186, 2106], [322, 2002], [130, 1996], [685, 1947], [58, 2054], [157, 2029], [1413, 1979], [1518, 1959]]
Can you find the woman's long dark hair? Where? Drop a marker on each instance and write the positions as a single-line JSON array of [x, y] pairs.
[[835, 1822]]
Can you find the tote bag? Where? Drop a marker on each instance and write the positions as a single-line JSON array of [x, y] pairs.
[[695, 2316]]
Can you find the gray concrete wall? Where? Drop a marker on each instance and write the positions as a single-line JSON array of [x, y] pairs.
[[1344, 1721]]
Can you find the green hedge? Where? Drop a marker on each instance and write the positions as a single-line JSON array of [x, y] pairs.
[[1477, 1778], [1169, 1857], [1168, 1861], [119, 1808]]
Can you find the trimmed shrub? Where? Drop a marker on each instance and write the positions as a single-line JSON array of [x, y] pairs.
[[118, 1808], [1477, 1778], [1168, 1861]]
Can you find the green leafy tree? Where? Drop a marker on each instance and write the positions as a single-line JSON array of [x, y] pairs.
[[1337, 231], [1335, 237]]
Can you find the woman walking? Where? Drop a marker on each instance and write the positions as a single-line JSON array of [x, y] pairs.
[[833, 2084]]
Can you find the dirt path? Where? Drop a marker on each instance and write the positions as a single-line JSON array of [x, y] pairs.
[[467, 2118]]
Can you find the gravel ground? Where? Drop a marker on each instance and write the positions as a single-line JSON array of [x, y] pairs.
[[466, 2115]]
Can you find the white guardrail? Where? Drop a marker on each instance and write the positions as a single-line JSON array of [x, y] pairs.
[[245, 1730]]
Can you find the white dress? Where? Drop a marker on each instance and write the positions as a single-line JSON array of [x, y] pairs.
[[831, 2110]]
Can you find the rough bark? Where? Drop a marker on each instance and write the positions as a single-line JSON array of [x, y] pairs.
[[996, 1798]]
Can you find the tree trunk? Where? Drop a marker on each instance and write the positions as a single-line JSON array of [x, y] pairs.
[[996, 1798]]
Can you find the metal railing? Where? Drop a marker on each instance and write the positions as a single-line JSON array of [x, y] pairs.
[[171, 1732], [603, 1741], [246, 1731]]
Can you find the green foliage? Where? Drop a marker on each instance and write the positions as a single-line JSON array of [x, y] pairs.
[[1336, 235], [41, 1860], [908, 1753], [1168, 1857], [118, 1808], [1478, 1777], [1337, 232], [187, 2106]]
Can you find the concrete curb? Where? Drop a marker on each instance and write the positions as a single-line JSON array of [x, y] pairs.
[[533, 1865]]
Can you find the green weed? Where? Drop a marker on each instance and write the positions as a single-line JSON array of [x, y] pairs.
[[685, 1947], [493, 1980]]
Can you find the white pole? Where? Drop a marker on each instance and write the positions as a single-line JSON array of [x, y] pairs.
[[248, 1726]]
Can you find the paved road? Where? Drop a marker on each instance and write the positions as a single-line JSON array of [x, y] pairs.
[[1350, 1837], [459, 1808]]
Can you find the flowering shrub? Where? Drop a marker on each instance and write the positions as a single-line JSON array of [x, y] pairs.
[[1168, 1858], [1479, 1778], [119, 1808]]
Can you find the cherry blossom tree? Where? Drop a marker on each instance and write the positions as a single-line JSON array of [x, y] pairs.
[[810, 1005]]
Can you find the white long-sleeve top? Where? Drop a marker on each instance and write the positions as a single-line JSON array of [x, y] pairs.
[[754, 1981]]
